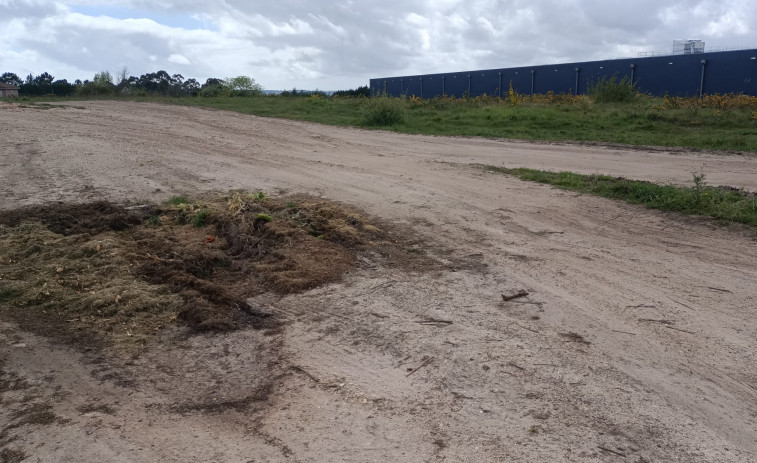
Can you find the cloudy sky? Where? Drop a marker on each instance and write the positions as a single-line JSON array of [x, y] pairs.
[[342, 43]]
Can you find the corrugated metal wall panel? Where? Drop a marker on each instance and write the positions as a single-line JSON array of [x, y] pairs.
[[679, 75]]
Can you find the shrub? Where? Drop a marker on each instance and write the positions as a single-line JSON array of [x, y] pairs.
[[383, 110], [201, 218], [612, 90], [214, 91]]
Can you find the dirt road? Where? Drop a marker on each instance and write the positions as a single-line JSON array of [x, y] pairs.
[[637, 341]]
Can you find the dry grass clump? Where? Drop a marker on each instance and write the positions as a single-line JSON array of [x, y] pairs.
[[84, 281]]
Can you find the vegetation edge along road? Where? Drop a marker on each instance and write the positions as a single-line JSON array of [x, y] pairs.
[[722, 123], [725, 123], [724, 203]]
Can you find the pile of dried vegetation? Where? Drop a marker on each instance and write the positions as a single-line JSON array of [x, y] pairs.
[[100, 272]]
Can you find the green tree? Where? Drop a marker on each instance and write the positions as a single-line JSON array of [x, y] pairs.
[[11, 79], [101, 84], [190, 87], [36, 86], [62, 88], [44, 80], [103, 79], [243, 86]]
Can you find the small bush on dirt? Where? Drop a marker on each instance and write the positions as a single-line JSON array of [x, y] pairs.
[[200, 219], [612, 90], [699, 185], [187, 212], [383, 111], [261, 196], [176, 200]]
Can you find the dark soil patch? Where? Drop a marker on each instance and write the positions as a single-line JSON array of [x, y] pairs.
[[35, 415], [93, 408], [39, 414], [76, 219], [258, 396], [574, 337], [10, 381], [32, 415], [9, 455]]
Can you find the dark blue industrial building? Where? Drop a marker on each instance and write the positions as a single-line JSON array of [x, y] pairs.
[[677, 75]]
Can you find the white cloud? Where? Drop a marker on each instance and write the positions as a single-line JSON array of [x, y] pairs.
[[344, 43], [728, 24], [176, 58]]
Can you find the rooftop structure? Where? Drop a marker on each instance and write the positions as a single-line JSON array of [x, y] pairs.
[[7, 91]]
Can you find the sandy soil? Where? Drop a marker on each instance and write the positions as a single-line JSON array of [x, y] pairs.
[[637, 341]]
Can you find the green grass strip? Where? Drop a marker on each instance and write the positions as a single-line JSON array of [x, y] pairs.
[[645, 121], [640, 123], [723, 203]]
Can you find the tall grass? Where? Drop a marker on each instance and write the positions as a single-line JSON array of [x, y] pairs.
[[612, 90]]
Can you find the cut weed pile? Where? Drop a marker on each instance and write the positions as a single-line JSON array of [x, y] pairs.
[[105, 273]]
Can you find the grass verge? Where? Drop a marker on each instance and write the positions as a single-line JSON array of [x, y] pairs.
[[645, 121], [723, 203], [717, 122]]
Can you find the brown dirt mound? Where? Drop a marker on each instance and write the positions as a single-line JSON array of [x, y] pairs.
[[101, 271]]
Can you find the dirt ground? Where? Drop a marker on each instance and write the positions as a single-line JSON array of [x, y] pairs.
[[637, 341]]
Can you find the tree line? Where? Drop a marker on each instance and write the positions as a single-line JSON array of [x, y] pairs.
[[154, 83]]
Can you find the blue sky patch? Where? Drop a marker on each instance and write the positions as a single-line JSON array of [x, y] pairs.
[[166, 18]]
